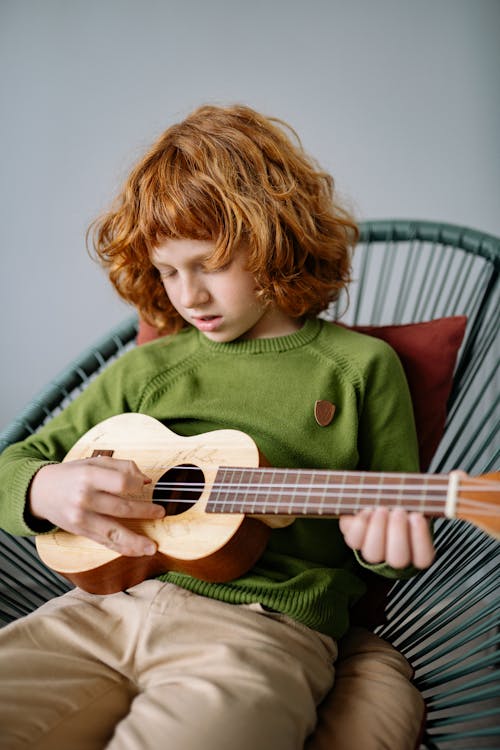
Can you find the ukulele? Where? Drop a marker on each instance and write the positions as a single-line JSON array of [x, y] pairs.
[[221, 504]]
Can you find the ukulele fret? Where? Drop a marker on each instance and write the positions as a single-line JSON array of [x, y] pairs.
[[237, 498], [255, 504]]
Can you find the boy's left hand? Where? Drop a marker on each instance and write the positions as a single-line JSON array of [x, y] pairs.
[[388, 536]]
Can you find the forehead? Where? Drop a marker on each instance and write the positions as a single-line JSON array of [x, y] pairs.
[[173, 251]]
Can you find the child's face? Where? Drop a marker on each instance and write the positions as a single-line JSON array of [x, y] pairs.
[[222, 304]]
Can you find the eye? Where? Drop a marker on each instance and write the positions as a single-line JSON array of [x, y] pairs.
[[219, 269], [166, 273], [205, 265]]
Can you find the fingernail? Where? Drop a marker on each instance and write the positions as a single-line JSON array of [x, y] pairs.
[[397, 511], [149, 549]]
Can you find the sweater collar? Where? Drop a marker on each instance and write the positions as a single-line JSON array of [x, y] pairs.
[[304, 335]]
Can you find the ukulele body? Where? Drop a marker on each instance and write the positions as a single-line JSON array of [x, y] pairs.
[[210, 546]]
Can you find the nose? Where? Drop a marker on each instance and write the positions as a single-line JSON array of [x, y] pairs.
[[193, 292]]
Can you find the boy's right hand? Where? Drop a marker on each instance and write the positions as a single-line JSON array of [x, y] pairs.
[[88, 497]]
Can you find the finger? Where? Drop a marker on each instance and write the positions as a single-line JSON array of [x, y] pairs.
[[118, 476], [422, 546], [373, 549], [111, 462], [124, 541], [354, 528], [116, 480], [122, 507], [114, 536], [398, 547]]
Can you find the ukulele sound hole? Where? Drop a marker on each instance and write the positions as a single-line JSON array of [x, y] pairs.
[[179, 488]]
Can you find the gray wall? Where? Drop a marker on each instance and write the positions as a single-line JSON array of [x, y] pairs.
[[398, 99]]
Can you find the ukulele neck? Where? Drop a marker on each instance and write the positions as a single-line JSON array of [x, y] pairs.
[[314, 492]]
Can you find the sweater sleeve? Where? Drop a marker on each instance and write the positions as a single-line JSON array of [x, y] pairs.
[[104, 397], [387, 439]]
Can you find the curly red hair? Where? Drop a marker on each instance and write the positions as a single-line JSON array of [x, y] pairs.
[[230, 175]]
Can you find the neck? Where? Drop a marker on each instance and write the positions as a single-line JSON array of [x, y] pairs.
[[274, 323]]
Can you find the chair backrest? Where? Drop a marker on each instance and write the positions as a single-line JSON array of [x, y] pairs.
[[407, 271], [446, 620]]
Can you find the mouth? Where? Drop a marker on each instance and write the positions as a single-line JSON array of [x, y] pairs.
[[207, 323]]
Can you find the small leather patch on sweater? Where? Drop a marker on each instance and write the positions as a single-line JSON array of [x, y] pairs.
[[324, 412]]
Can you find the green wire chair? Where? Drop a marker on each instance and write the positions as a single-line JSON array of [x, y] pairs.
[[445, 620]]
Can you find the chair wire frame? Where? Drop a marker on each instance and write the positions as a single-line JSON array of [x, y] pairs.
[[446, 619]]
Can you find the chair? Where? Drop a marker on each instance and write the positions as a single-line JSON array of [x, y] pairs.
[[446, 619]]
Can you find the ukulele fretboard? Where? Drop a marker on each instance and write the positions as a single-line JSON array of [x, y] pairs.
[[323, 493]]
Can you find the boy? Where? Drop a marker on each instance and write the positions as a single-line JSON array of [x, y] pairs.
[[230, 240]]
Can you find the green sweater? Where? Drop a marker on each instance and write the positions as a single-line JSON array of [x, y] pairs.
[[268, 389]]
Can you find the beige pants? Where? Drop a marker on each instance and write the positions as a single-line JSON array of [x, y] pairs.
[[159, 668]]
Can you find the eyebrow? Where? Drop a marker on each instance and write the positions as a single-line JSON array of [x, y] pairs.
[[159, 263]]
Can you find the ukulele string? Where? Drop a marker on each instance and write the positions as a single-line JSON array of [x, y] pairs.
[[278, 488], [333, 508], [425, 481], [330, 486], [369, 492], [398, 495]]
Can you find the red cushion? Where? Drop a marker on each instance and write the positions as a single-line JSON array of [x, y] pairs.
[[428, 352], [146, 333]]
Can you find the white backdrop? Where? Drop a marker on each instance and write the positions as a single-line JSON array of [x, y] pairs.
[[398, 99]]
